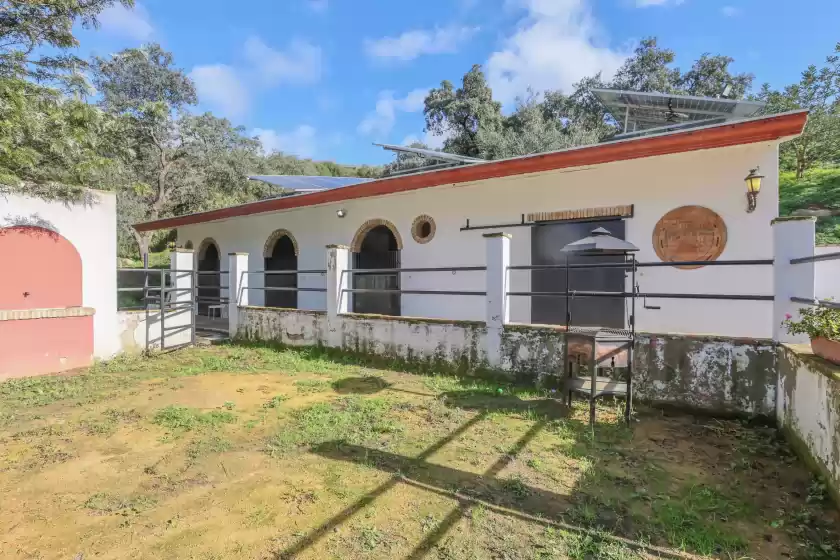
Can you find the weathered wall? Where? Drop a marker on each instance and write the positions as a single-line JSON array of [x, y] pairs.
[[457, 345], [711, 178], [91, 226], [132, 330], [718, 374], [808, 410]]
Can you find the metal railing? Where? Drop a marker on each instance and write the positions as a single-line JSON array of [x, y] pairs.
[[649, 295], [287, 273], [826, 303], [453, 269]]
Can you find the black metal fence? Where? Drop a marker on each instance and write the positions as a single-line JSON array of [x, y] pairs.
[[826, 303], [281, 287], [369, 297]]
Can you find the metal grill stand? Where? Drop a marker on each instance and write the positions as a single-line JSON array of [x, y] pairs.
[[600, 347]]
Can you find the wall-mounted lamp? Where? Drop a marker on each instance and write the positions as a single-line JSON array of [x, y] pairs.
[[753, 181], [341, 212]]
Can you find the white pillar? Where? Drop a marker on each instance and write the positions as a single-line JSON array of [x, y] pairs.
[[179, 321], [237, 289], [496, 304], [793, 238], [338, 280]]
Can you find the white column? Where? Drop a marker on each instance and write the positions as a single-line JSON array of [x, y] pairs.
[[237, 290], [793, 238], [338, 280], [179, 321], [496, 314]]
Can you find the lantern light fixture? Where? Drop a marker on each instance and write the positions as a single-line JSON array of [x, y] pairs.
[[753, 181]]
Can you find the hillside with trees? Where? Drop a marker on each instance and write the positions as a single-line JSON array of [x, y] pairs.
[[127, 123]]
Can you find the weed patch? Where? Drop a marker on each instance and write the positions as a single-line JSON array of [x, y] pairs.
[[351, 419], [184, 419]]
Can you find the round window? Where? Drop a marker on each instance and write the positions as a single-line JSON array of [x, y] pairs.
[[423, 229]]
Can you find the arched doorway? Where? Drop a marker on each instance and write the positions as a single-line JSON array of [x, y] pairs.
[[280, 254], [50, 329], [208, 287], [377, 246]]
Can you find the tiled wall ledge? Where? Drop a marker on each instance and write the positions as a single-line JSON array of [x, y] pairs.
[[48, 313]]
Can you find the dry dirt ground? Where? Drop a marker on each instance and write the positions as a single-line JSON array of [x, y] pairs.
[[249, 452]]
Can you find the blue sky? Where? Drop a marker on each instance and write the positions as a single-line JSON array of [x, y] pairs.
[[326, 78]]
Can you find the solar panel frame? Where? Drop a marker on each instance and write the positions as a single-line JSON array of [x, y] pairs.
[[308, 183], [651, 109]]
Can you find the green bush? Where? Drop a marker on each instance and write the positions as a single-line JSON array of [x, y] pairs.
[[816, 322]]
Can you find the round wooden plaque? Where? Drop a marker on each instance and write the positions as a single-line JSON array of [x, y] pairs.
[[689, 233]]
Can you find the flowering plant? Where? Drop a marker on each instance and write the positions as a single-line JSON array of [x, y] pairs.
[[816, 322]]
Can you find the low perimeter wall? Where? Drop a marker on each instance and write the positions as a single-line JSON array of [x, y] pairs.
[[717, 374], [808, 410]]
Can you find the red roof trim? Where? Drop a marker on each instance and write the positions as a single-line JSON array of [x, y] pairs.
[[744, 132]]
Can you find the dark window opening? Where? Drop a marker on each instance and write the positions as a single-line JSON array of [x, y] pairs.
[[379, 249], [209, 285], [282, 257]]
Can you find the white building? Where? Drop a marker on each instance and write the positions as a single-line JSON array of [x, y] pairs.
[[437, 218]]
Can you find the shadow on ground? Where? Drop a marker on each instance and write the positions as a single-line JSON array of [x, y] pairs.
[[505, 496]]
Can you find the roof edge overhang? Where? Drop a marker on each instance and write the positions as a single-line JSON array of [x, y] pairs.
[[748, 131]]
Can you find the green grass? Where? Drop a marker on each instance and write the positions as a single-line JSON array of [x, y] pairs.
[[351, 419], [819, 188], [184, 419], [105, 503]]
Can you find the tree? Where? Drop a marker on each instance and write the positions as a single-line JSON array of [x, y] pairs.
[[532, 128], [51, 147], [51, 142], [26, 26], [474, 125], [404, 161], [817, 91], [178, 162], [134, 77], [709, 76], [647, 70], [458, 114]]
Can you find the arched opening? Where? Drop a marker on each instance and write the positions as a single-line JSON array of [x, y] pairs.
[[281, 255], [208, 287], [379, 249]]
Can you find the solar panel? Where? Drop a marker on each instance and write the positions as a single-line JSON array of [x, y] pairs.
[[308, 183], [431, 154], [636, 110]]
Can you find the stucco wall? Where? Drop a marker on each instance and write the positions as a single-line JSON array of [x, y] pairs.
[[92, 229], [808, 410], [711, 178], [132, 330], [719, 374], [827, 274]]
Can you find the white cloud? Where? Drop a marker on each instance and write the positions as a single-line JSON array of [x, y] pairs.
[[319, 6], [300, 64], [730, 11], [557, 44], [380, 121], [300, 141], [220, 86], [648, 3], [412, 44], [125, 22]]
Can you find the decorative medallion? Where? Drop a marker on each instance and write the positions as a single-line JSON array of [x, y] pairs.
[[423, 229], [689, 233]]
